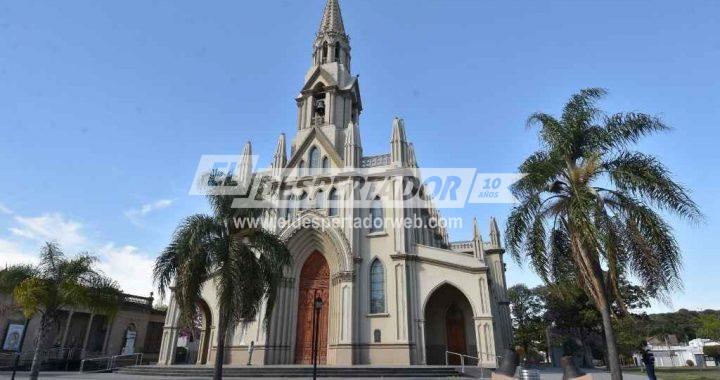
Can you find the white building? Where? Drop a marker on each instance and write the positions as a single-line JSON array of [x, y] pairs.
[[392, 294], [669, 355]]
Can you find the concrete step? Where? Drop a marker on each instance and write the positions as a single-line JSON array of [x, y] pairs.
[[294, 371]]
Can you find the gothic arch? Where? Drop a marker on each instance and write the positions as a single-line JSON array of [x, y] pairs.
[[449, 324], [312, 231], [450, 283], [205, 332]]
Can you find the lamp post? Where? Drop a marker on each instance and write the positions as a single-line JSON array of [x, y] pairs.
[[316, 320]]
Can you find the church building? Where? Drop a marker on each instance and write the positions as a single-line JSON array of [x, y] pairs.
[[391, 294]]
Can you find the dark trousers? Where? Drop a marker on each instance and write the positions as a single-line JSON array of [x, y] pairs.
[[650, 372]]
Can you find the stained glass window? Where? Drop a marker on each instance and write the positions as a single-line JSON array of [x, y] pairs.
[[376, 215], [314, 160], [377, 287], [332, 203]]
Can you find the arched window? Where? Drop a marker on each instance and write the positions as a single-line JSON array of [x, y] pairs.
[[283, 208], [319, 200], [337, 51], [377, 287], [291, 207], [325, 165], [314, 160], [303, 201], [332, 202], [324, 52], [376, 215], [301, 168]]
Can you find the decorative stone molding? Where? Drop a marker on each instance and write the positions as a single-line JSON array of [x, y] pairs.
[[314, 220], [345, 276], [439, 263], [375, 161]]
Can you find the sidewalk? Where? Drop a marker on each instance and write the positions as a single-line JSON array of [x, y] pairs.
[[546, 374]]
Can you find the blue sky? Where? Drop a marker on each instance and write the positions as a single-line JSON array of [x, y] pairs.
[[106, 107]]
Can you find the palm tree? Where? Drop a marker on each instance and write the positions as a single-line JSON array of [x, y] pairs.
[[589, 208], [244, 262], [57, 283]]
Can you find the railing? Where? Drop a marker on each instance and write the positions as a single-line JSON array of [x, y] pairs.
[[461, 245], [110, 363], [462, 360], [7, 359], [375, 161], [25, 358], [463, 357], [131, 299]]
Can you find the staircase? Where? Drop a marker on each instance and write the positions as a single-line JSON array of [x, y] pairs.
[[294, 371]]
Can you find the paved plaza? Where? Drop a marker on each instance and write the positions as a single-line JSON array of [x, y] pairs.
[[550, 374]]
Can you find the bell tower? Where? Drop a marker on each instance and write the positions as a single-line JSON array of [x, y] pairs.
[[330, 98]]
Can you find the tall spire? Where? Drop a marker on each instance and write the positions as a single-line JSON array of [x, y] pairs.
[[332, 21], [412, 160], [353, 147], [494, 233], [398, 143], [477, 241], [331, 42], [246, 164], [280, 157]]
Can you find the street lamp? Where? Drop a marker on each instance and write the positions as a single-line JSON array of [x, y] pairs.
[[316, 320]]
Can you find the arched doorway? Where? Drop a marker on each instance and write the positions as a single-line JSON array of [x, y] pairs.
[[129, 340], [314, 282], [205, 332], [193, 343], [448, 326]]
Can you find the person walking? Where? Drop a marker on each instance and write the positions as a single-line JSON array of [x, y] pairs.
[[648, 360]]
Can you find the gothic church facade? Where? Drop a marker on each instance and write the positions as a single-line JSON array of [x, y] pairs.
[[391, 294]]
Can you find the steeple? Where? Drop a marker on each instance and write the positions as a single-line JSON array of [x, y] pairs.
[[329, 99], [332, 21], [332, 44], [280, 157]]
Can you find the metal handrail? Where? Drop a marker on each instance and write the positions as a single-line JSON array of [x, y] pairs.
[[112, 362], [45, 355], [462, 360]]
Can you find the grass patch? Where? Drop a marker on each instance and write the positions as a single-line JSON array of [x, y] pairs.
[[684, 373]]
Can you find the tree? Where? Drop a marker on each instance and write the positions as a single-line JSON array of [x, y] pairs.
[[243, 261], [576, 324], [527, 310], [631, 332], [709, 327], [57, 283], [712, 351], [589, 207]]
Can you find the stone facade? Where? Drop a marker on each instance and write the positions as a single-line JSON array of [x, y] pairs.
[[436, 295], [79, 333]]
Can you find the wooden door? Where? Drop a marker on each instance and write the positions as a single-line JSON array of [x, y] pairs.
[[314, 283], [455, 333]]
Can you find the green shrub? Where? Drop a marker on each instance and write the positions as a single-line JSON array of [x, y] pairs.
[[713, 351]]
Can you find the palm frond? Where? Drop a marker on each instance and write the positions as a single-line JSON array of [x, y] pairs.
[[645, 176], [622, 129], [518, 224], [12, 276]]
